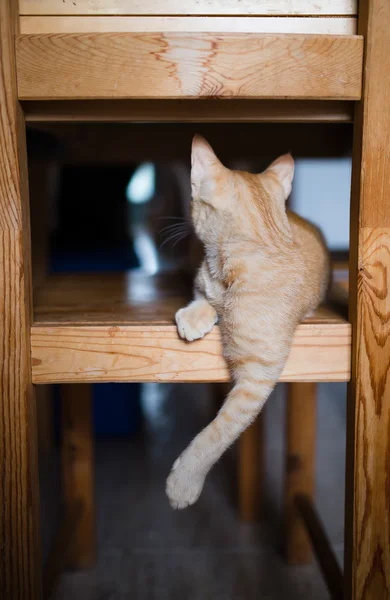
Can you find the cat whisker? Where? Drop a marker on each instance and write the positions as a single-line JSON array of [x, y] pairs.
[[179, 239], [176, 237], [174, 227], [173, 236]]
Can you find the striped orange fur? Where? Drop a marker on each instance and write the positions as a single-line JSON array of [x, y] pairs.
[[265, 269]]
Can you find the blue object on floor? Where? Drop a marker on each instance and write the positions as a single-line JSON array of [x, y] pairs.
[[116, 409]]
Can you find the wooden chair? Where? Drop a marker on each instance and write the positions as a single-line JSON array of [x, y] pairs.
[[72, 62]]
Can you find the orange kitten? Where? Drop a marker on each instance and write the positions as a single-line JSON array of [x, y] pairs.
[[264, 270]]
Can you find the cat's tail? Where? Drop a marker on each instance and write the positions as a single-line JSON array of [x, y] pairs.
[[241, 407]]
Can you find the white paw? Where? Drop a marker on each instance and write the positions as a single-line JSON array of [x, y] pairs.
[[192, 326], [184, 485]]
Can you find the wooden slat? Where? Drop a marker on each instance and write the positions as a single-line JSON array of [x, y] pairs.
[[299, 466], [20, 564], [99, 353], [120, 328], [367, 544], [190, 7], [170, 65], [64, 24], [203, 110]]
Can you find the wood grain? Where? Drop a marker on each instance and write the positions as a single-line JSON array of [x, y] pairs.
[[180, 65], [20, 568], [367, 545], [93, 353], [65, 24], [250, 468], [203, 110], [191, 7], [120, 328], [299, 466], [78, 472], [127, 298]]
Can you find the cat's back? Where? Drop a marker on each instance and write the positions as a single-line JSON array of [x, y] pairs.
[[305, 232], [312, 252]]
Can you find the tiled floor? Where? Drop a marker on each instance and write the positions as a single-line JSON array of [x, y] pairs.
[[149, 552]]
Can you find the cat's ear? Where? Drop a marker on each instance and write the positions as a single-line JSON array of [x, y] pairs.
[[283, 167], [204, 166]]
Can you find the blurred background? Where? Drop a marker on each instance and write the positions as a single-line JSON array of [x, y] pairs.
[[113, 198]]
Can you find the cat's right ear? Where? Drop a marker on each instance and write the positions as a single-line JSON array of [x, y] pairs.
[[283, 167], [204, 168]]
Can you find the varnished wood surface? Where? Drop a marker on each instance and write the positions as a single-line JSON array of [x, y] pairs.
[[83, 24], [124, 298], [188, 65], [120, 327], [191, 7], [20, 564], [115, 298], [300, 467], [202, 110], [78, 472], [367, 557], [98, 353]]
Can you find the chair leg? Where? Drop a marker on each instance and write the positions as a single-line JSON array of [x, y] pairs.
[[20, 553], [367, 493], [300, 466], [250, 470], [78, 471]]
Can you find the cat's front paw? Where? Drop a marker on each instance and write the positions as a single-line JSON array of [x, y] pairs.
[[195, 320], [184, 485]]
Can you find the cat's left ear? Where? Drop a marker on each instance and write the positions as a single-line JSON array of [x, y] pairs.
[[205, 168], [283, 167]]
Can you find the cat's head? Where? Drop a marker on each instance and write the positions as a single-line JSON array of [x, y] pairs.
[[237, 204]]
